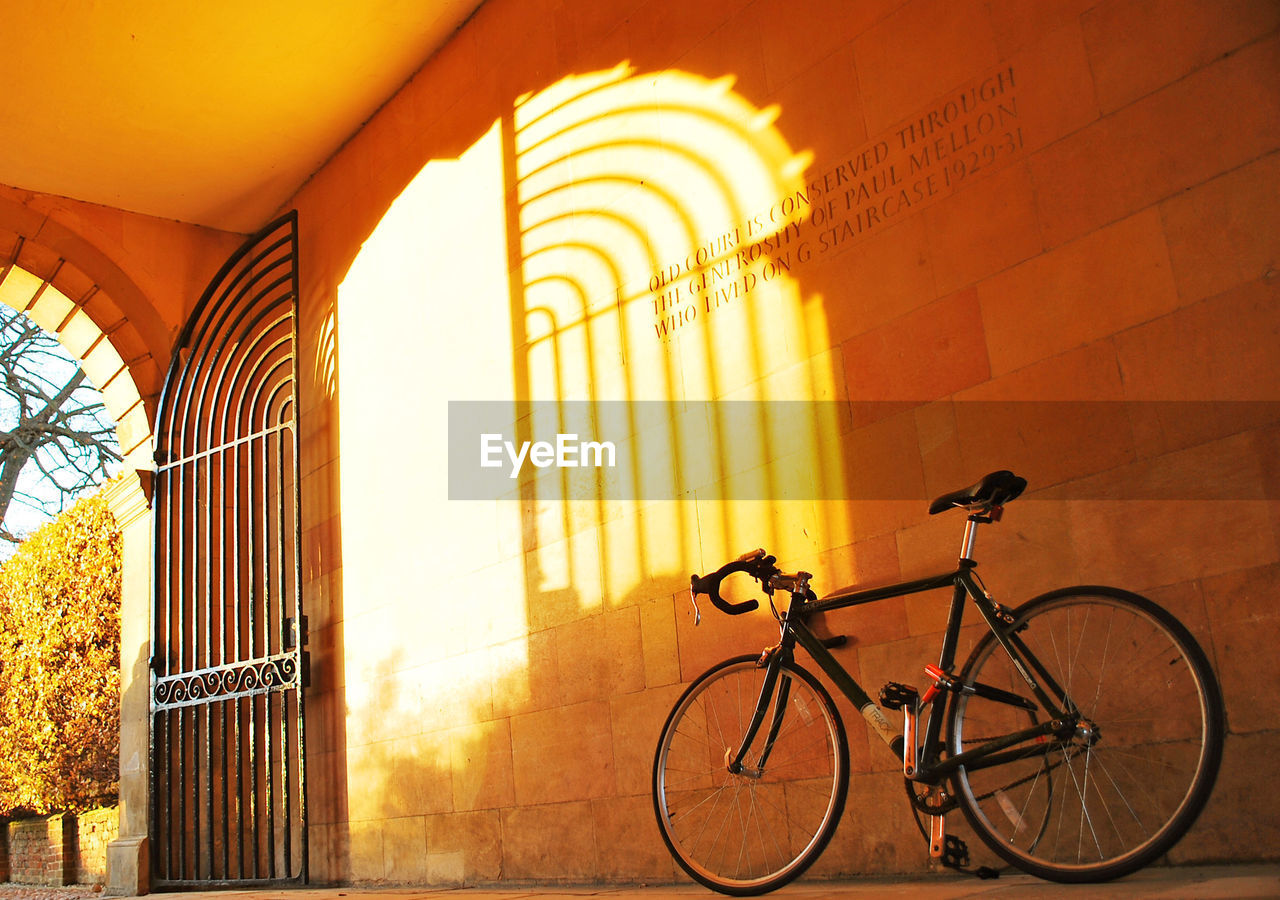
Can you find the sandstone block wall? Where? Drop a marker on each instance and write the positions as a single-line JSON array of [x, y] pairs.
[[1033, 236]]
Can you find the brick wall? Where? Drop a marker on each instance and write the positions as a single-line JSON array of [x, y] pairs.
[[37, 851], [59, 849]]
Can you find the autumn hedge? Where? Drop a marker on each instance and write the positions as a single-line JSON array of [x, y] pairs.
[[60, 665]]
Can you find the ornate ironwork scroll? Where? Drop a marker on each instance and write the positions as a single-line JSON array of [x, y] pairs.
[[228, 659], [227, 682]]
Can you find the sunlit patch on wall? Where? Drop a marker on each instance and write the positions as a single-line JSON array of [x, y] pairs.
[[656, 213], [539, 266]]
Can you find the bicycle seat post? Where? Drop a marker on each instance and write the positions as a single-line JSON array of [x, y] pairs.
[[970, 535], [983, 517]]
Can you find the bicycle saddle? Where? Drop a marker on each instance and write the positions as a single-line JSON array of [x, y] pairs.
[[995, 489]]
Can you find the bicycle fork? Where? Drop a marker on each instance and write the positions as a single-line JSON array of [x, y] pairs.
[[770, 662]]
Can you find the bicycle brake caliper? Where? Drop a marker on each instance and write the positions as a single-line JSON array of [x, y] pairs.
[[766, 655]]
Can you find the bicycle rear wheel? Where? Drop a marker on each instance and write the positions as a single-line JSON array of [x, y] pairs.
[[1139, 767], [751, 832]]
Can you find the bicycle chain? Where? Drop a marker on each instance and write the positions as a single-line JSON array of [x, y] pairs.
[[921, 801], [1048, 767]]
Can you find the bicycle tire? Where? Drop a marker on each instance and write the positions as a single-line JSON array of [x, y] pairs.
[[751, 833], [1133, 777]]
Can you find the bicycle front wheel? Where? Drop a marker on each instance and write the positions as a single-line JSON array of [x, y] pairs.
[[756, 830], [1140, 763]]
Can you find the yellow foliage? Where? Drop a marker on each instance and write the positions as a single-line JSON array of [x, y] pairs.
[[60, 665]]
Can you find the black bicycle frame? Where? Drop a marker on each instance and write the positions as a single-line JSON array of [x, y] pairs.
[[1061, 712]]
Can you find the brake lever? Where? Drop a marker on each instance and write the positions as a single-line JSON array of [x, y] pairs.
[[697, 613]]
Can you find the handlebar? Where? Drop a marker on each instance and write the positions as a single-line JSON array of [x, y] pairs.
[[756, 563]]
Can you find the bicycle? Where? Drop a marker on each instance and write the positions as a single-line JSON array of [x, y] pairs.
[[1083, 733]]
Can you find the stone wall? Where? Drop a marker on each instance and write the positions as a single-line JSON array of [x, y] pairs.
[[1026, 236], [59, 849], [94, 831]]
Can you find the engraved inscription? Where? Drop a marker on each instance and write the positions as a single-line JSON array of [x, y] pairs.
[[928, 157]]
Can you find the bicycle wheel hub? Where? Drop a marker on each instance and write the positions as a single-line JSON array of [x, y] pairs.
[[1089, 733], [742, 771]]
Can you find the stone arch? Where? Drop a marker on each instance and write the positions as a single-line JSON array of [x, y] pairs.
[[80, 336], [74, 291], [91, 326]]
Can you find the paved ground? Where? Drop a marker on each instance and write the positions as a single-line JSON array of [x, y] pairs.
[[1195, 883], [32, 892]]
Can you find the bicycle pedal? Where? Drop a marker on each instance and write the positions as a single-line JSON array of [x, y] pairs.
[[955, 853], [895, 696]]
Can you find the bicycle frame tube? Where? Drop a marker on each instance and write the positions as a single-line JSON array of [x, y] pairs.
[[964, 585], [960, 580]]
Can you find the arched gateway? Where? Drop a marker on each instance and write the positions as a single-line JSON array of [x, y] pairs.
[[228, 666]]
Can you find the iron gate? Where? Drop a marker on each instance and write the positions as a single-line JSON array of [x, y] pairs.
[[228, 659]]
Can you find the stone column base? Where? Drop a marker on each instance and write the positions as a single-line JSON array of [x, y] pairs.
[[128, 867]]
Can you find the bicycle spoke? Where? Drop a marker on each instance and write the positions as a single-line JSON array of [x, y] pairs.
[[764, 824], [1106, 807], [1143, 754], [1124, 795]]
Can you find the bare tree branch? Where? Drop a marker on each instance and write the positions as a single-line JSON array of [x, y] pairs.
[[56, 438]]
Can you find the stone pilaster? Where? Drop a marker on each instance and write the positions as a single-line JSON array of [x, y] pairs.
[[128, 857]]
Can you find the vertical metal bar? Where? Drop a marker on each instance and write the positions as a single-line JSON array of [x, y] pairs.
[[281, 515], [225, 654], [300, 650], [255, 626], [269, 799], [188, 660], [237, 577], [183, 829], [159, 826], [197, 608], [206, 599], [205, 783], [157, 644], [173, 645], [170, 746], [178, 824], [221, 870], [240, 702]]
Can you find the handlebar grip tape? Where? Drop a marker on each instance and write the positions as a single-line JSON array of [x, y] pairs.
[[710, 585]]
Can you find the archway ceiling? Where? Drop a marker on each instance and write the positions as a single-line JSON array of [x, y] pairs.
[[209, 113]]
